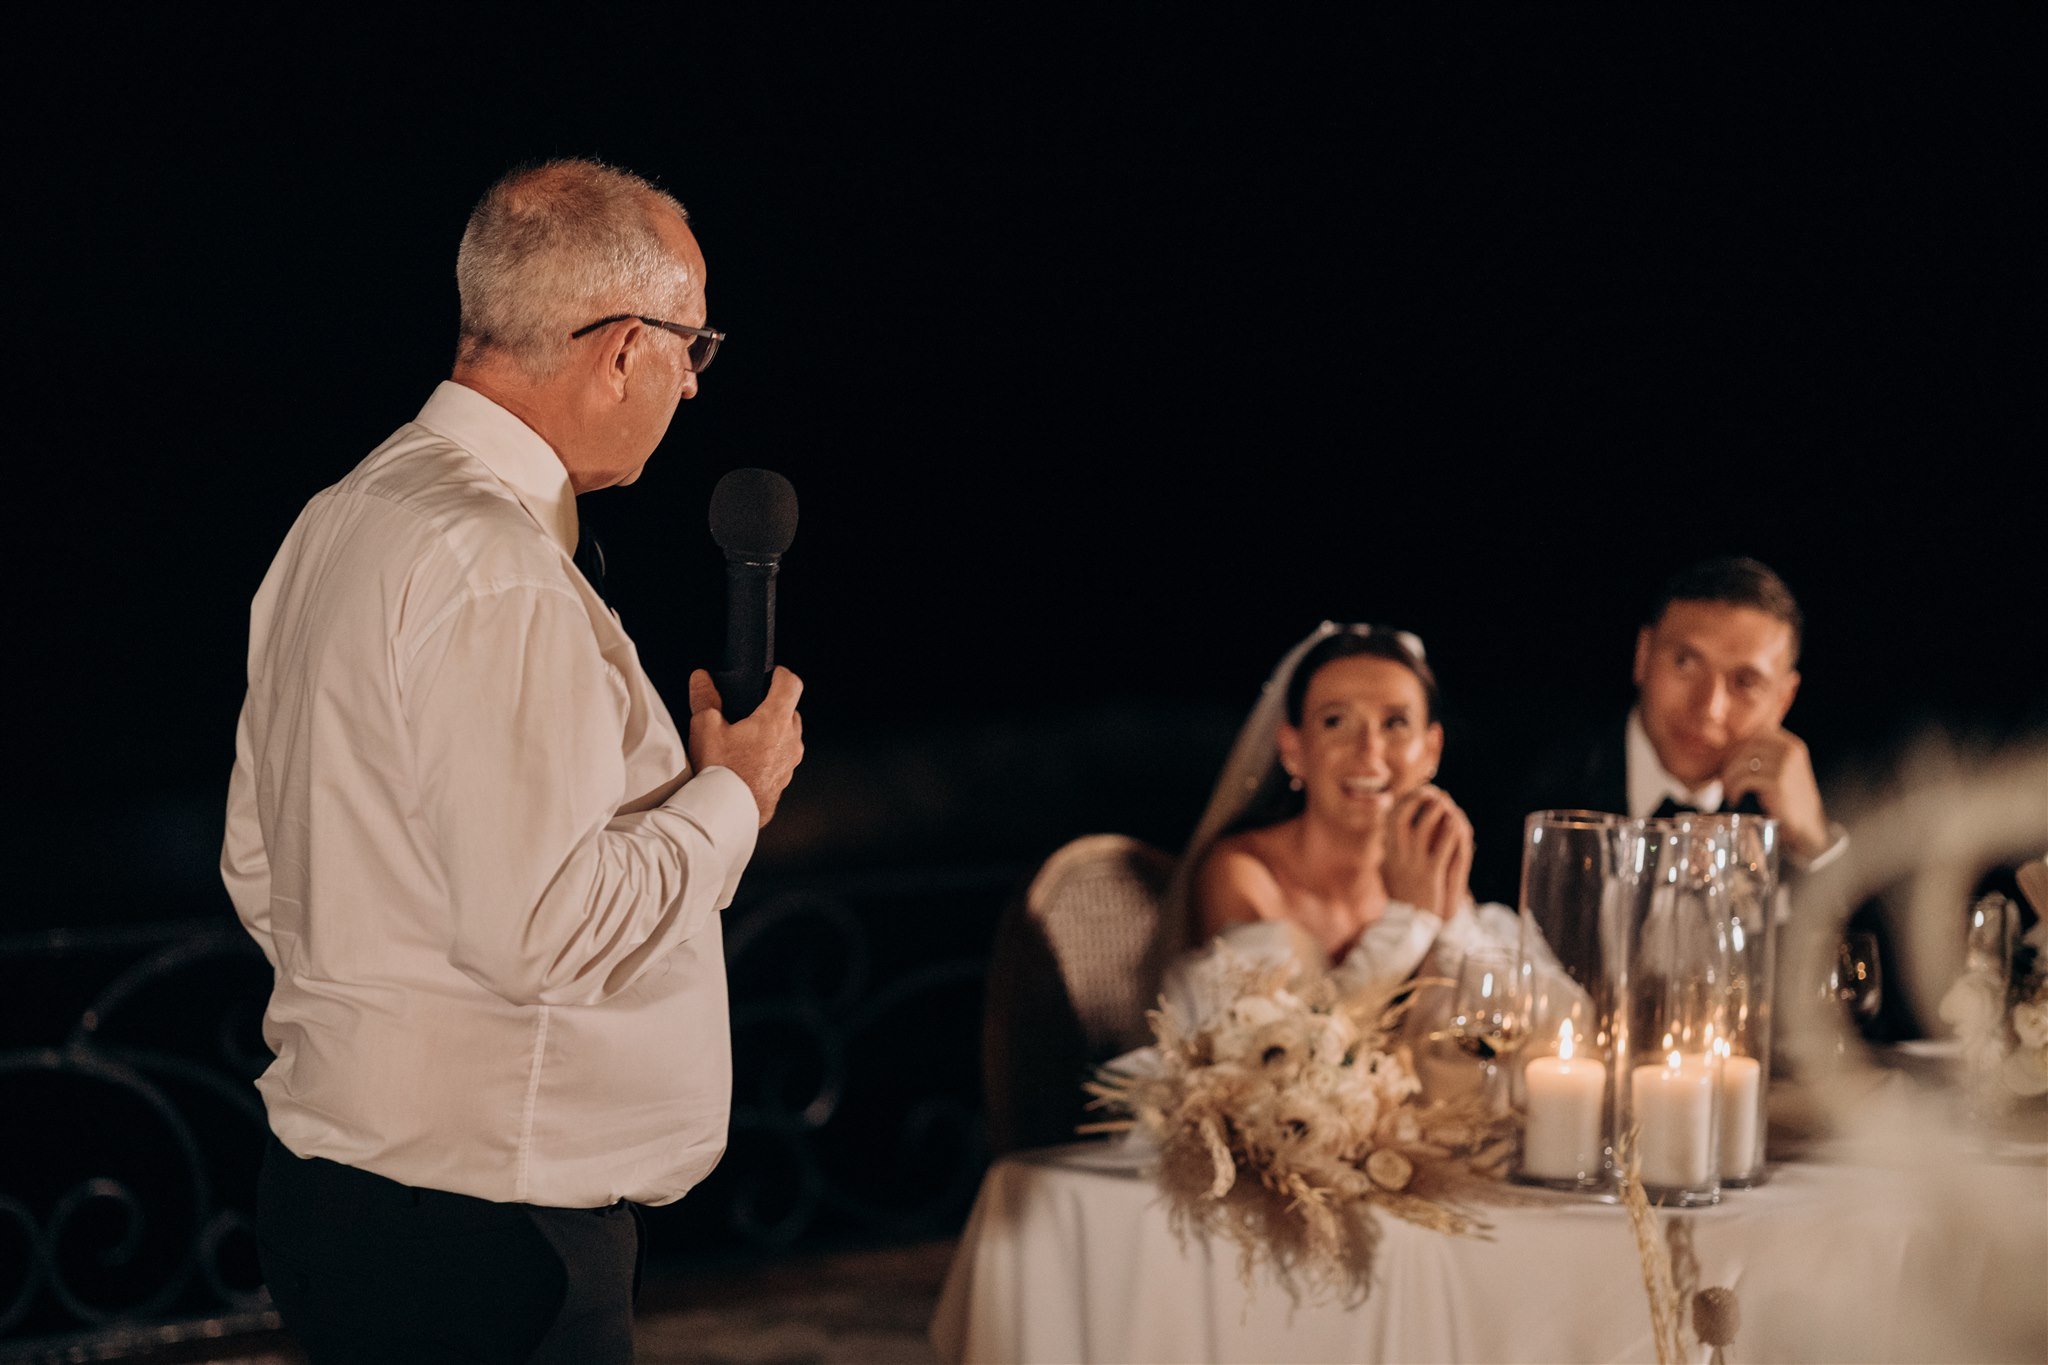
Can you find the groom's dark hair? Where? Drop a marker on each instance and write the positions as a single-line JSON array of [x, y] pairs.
[[1738, 582]]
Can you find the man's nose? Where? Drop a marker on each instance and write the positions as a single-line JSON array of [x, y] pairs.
[[689, 386], [1713, 700]]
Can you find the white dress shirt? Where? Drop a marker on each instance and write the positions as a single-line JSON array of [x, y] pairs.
[[463, 828], [1649, 784]]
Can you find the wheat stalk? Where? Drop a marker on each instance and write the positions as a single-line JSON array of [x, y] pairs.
[[1665, 1308]]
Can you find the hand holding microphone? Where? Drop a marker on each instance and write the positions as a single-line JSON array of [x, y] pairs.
[[763, 749], [744, 717]]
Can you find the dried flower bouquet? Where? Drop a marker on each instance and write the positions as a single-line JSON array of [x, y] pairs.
[[1288, 1110]]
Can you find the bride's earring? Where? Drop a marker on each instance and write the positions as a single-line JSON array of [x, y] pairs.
[[1294, 782]]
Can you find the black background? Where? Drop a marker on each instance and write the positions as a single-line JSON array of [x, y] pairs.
[[1108, 352]]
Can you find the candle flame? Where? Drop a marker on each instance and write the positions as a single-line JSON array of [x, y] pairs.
[[1564, 1041], [1672, 1061], [1721, 1047]]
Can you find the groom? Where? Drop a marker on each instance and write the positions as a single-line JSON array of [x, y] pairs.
[[1716, 670]]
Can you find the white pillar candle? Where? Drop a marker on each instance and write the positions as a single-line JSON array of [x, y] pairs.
[[1740, 1079], [1562, 1138], [1674, 1113]]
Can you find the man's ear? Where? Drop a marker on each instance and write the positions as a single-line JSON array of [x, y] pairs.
[[1642, 655], [622, 363]]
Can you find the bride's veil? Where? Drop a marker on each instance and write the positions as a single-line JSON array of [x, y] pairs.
[[1246, 781]]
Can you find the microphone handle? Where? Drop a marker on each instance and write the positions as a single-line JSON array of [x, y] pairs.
[[749, 636]]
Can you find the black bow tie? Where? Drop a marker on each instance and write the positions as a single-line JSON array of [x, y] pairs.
[[1748, 805], [590, 559]]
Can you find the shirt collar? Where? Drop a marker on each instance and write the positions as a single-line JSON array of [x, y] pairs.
[[510, 449], [1649, 783]]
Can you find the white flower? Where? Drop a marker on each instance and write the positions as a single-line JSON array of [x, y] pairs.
[[1279, 1045], [1334, 1039], [1300, 1123], [1255, 1011], [2030, 1021], [1973, 1004], [2025, 1071], [1230, 1044]]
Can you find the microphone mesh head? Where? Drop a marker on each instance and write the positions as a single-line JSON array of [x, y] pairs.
[[753, 513]]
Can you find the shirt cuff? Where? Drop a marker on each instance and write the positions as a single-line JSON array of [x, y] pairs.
[[1838, 840], [719, 802]]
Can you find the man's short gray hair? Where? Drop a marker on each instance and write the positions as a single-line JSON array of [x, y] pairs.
[[552, 247]]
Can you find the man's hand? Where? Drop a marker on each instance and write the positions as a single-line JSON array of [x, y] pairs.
[[763, 749], [1775, 765], [1429, 851]]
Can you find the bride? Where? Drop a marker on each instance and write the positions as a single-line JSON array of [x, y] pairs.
[[1325, 838]]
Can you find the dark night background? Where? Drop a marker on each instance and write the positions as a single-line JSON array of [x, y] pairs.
[[1107, 353]]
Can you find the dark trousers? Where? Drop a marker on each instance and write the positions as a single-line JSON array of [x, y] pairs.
[[366, 1271]]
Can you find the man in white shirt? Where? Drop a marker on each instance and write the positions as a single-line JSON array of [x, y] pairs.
[[483, 861]]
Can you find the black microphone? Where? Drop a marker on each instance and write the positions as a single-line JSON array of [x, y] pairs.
[[753, 519]]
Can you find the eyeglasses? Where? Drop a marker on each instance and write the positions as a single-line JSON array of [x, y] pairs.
[[1408, 640], [703, 341]]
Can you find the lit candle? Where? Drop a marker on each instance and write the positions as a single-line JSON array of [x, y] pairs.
[[1562, 1138], [1741, 1078], [1674, 1112]]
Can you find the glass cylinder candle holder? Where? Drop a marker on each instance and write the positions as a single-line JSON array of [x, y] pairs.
[[1567, 1073], [1671, 1003], [1749, 876]]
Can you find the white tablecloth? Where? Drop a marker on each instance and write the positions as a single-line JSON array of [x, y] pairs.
[[1068, 1257]]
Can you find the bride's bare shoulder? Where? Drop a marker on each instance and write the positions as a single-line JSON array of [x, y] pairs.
[[1236, 883]]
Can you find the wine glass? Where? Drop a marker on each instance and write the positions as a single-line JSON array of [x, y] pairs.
[[1988, 943], [1490, 1013]]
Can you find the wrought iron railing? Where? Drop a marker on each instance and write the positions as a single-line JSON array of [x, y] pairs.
[[130, 1131]]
